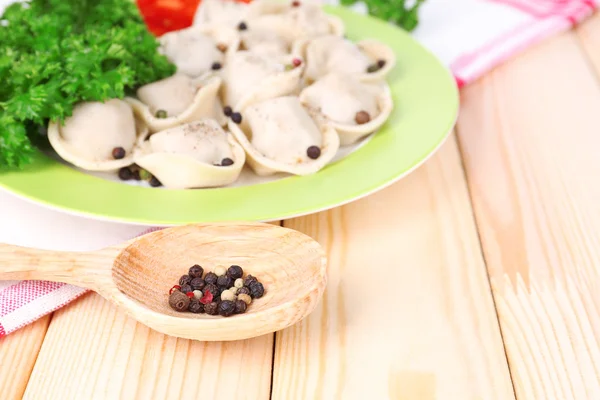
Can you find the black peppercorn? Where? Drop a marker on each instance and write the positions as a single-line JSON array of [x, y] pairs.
[[235, 272], [161, 114], [216, 66], [257, 290], [236, 117], [240, 307], [187, 288], [224, 281], [179, 301], [212, 308], [125, 174], [226, 308], [211, 277], [197, 284], [243, 290], [196, 271], [155, 182], [226, 162], [118, 153], [184, 280], [227, 111], [196, 307], [242, 26], [214, 289], [249, 279], [313, 152]]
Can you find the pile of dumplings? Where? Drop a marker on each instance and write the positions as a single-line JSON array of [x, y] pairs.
[[269, 84]]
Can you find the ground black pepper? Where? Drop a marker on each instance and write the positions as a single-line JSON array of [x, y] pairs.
[[240, 307], [179, 301], [196, 271], [236, 117], [212, 308], [196, 307], [225, 281], [125, 174], [211, 277], [235, 272], [197, 284], [118, 153], [226, 308], [257, 290], [184, 280], [313, 152], [226, 162], [242, 26]]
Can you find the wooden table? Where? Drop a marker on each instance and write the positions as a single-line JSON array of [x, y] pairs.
[[476, 277]]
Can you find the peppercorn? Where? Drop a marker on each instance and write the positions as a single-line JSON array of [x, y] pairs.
[[222, 47], [174, 288], [227, 295], [313, 152], [245, 298], [179, 301], [235, 272], [125, 174], [118, 153], [212, 308], [198, 294], [155, 182], [296, 62], [207, 297], [211, 287], [381, 63], [373, 68], [224, 281], [196, 307], [184, 280], [240, 307], [239, 283], [226, 162], [226, 308], [362, 117], [210, 277], [190, 295], [216, 66], [257, 290], [236, 117], [196, 271], [233, 290], [249, 279], [161, 114], [145, 175], [220, 270], [187, 288], [197, 283], [243, 290], [227, 111], [242, 26]]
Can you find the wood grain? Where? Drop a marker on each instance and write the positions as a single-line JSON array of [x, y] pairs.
[[94, 351], [529, 134], [18, 352], [408, 312]]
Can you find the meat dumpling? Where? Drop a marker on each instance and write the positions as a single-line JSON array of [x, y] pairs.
[[178, 99], [250, 77], [194, 155], [98, 136], [354, 108], [281, 135], [368, 60], [199, 49]]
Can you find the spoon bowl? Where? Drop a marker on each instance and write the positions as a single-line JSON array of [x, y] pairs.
[[137, 275]]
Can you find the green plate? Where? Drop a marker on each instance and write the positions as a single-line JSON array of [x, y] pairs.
[[426, 105]]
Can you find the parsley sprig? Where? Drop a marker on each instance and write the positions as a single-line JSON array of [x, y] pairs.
[[56, 53], [398, 12]]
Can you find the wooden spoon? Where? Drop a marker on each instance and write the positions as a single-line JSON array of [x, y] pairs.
[[137, 275]]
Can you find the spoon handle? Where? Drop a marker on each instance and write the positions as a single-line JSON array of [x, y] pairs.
[[77, 268]]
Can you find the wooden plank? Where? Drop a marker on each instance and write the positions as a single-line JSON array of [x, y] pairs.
[[408, 312], [92, 350], [529, 134], [589, 34], [18, 352]]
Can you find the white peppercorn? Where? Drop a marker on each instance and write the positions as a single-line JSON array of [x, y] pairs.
[[220, 270], [239, 282], [228, 295], [233, 290], [245, 298], [197, 294]]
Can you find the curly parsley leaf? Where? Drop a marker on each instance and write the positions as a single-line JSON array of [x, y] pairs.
[[56, 53], [398, 12]]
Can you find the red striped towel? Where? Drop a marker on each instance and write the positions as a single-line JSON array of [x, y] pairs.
[[469, 36]]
